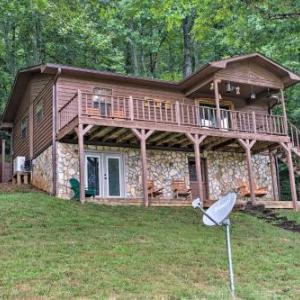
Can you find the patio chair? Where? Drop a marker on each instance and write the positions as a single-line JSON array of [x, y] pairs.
[[244, 190], [180, 189], [75, 187], [153, 192]]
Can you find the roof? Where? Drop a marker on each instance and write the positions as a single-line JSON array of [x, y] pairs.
[[23, 76]]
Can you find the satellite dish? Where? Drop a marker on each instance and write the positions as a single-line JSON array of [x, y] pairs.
[[217, 215], [220, 210]]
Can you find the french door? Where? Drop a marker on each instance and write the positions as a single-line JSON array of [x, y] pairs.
[[104, 173]]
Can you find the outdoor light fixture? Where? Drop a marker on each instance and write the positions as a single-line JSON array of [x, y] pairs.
[[252, 95], [228, 87], [211, 86]]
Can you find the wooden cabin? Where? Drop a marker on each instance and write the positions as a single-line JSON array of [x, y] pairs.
[[115, 133]]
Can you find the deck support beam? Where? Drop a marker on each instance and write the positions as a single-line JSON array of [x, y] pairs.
[[247, 145], [197, 139], [217, 101], [81, 131], [143, 135], [288, 151]]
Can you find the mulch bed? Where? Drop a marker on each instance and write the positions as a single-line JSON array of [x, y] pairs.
[[272, 217]]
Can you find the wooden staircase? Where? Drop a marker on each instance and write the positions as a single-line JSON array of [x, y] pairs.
[[294, 134]]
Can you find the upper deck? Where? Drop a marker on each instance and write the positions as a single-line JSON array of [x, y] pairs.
[[177, 116]]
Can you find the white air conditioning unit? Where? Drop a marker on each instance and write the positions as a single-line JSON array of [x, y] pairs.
[[19, 163]]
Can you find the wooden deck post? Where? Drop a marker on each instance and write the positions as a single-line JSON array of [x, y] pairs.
[[142, 135], [274, 176], [217, 102], [81, 162], [288, 151], [197, 139], [247, 145], [284, 110], [80, 134]]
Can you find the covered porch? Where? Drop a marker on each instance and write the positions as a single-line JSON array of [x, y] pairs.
[[193, 146]]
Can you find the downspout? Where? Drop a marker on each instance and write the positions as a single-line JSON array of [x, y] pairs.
[[54, 130]]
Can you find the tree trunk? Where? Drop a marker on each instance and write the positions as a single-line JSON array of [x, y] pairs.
[[187, 25]]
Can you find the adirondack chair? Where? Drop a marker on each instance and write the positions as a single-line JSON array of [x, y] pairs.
[[244, 190], [180, 189], [153, 192], [90, 192]]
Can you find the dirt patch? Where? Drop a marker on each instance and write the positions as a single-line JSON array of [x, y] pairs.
[[272, 217], [13, 188]]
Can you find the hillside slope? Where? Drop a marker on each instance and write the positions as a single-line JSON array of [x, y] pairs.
[[61, 249]]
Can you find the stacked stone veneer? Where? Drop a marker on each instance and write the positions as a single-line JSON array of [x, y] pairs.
[[163, 166], [225, 170], [42, 171]]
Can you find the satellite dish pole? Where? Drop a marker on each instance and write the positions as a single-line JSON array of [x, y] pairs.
[[218, 215]]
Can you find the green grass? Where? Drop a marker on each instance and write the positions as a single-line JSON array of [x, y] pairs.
[[60, 249], [291, 215]]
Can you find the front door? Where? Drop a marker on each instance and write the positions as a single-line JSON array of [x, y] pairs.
[[193, 178], [104, 174]]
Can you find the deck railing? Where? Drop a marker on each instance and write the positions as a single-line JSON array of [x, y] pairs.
[[170, 112], [294, 134], [68, 112]]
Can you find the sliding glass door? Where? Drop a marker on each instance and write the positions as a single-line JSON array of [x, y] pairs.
[[105, 174]]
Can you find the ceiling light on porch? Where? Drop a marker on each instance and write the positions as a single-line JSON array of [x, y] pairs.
[[252, 95], [228, 87], [237, 90], [211, 86]]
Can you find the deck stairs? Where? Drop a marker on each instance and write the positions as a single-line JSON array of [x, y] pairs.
[[294, 134]]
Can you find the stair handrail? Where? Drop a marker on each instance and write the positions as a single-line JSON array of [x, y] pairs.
[[294, 134]]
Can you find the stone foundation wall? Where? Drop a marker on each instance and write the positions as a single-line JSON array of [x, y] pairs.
[[228, 170], [163, 166], [42, 171], [225, 170]]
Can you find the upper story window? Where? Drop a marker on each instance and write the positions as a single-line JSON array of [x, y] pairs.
[[24, 127], [39, 111], [101, 95]]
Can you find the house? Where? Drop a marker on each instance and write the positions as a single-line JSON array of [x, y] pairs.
[[213, 131]]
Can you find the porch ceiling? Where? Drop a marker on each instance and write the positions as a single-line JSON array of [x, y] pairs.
[[245, 91], [161, 140]]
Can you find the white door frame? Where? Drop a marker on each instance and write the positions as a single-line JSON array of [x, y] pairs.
[[106, 157], [103, 172]]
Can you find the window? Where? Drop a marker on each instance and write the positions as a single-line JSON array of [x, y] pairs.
[[24, 126], [102, 100], [208, 113], [39, 111]]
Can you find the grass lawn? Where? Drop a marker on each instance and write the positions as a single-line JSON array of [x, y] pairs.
[[53, 248], [291, 215]]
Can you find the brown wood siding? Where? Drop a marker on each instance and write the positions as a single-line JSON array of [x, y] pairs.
[[68, 86], [21, 145], [250, 73], [41, 91], [42, 131]]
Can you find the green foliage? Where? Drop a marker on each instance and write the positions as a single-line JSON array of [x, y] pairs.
[[57, 249], [145, 37]]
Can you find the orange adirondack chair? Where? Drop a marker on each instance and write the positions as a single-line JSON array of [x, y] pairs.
[[153, 192], [180, 189]]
